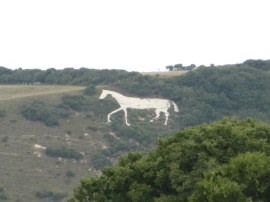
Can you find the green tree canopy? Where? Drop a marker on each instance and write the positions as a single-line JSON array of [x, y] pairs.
[[224, 161]]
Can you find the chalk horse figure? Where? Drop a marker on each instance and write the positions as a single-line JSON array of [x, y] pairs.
[[160, 105]]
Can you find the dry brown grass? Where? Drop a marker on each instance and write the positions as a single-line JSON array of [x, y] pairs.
[[8, 92], [166, 74]]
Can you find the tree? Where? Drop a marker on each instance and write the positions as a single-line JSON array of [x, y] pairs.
[[178, 67], [191, 67], [224, 161], [170, 67]]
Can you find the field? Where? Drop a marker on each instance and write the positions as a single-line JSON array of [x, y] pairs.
[[8, 92], [165, 74]]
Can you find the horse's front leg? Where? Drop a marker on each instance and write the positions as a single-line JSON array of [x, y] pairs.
[[109, 115], [125, 110], [156, 117]]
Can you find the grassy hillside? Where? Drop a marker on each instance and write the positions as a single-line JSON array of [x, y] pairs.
[[31, 173]]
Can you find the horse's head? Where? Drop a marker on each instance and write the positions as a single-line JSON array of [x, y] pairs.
[[103, 94]]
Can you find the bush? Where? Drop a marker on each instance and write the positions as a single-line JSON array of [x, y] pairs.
[[5, 139], [50, 195], [51, 121], [2, 113], [69, 173], [75, 102], [93, 128], [90, 90], [99, 161], [224, 161], [3, 195], [64, 153], [37, 111], [62, 112]]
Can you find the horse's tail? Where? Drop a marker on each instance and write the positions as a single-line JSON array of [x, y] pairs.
[[175, 107]]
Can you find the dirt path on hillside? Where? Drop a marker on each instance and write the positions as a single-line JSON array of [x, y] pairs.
[[15, 92]]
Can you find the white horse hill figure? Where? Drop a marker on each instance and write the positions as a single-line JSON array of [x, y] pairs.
[[160, 105]]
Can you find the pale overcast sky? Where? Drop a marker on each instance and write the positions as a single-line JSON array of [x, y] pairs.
[[136, 35]]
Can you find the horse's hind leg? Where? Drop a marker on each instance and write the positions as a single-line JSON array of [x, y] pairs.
[[166, 117], [156, 117]]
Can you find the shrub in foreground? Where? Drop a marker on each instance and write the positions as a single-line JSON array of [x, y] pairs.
[[224, 161]]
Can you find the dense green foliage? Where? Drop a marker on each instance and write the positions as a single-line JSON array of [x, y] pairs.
[[225, 161], [68, 76]]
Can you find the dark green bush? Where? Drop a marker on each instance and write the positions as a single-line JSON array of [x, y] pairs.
[[3, 194], [2, 113], [50, 195], [90, 90], [38, 111], [51, 121], [62, 112], [69, 173], [64, 153], [5, 139], [99, 161], [93, 128], [75, 102]]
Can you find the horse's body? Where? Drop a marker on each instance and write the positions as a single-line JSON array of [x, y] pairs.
[[160, 105]]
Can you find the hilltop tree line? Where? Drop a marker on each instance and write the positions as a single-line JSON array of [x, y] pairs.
[[67, 76], [85, 76], [177, 67]]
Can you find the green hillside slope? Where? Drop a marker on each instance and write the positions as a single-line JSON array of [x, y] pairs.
[[51, 136]]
